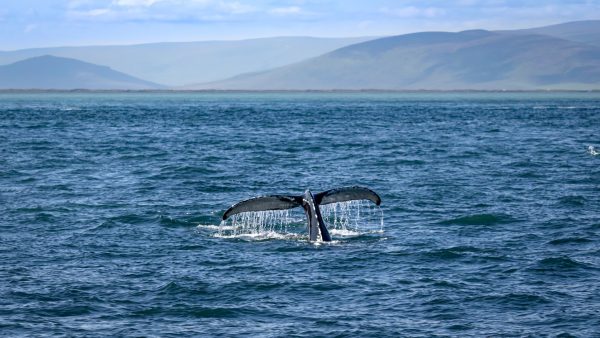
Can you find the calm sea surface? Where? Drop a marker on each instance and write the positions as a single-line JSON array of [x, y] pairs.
[[110, 206]]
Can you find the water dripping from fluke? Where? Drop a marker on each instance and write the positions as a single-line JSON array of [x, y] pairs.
[[342, 212]]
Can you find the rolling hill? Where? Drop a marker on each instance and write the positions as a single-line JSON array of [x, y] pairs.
[[579, 31], [563, 56], [50, 72], [470, 60], [181, 63]]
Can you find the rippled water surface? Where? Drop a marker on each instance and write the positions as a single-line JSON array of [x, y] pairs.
[[110, 207]]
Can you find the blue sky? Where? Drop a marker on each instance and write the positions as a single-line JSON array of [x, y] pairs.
[[40, 23]]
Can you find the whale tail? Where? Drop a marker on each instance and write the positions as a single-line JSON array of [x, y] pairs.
[[281, 202], [347, 194], [309, 202], [264, 203]]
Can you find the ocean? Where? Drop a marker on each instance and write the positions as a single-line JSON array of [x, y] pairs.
[[111, 205]]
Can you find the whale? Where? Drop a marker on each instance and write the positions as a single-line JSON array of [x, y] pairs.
[[317, 230]]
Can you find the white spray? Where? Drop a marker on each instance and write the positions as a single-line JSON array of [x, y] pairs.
[[343, 219]]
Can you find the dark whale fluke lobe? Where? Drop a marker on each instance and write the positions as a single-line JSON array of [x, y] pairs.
[[347, 194], [309, 202], [275, 202]]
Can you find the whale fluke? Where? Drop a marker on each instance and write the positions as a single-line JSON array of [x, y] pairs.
[[347, 194], [263, 203], [309, 202]]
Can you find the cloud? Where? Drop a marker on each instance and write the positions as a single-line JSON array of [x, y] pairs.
[[156, 10], [413, 11], [467, 2], [86, 14], [236, 8], [75, 4], [135, 3], [291, 10], [97, 12]]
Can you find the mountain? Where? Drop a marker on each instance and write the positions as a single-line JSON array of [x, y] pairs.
[[50, 72], [580, 31], [177, 64], [477, 59], [564, 56]]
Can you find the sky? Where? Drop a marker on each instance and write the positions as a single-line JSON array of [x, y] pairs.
[[45, 23]]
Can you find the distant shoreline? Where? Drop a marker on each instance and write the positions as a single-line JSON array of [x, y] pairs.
[[349, 91]]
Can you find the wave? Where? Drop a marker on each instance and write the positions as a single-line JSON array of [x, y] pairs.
[[344, 232], [103, 226], [462, 252], [444, 254], [215, 227], [515, 299], [558, 264], [480, 219], [174, 288], [131, 219], [409, 162], [190, 311], [184, 221], [569, 240], [575, 200], [227, 232], [174, 222], [261, 236]]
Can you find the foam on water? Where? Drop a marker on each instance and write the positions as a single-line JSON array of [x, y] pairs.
[[260, 236], [344, 233], [213, 227], [592, 151]]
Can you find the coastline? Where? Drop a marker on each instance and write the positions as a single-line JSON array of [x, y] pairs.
[[343, 91]]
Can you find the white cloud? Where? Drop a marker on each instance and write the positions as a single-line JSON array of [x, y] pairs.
[[75, 4], [412, 11], [157, 10], [291, 10], [97, 12], [135, 3], [235, 7]]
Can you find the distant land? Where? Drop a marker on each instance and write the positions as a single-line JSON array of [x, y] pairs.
[[50, 72], [469, 60], [558, 57], [183, 63], [578, 31]]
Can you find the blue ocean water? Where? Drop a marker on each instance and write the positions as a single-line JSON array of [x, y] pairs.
[[110, 209]]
